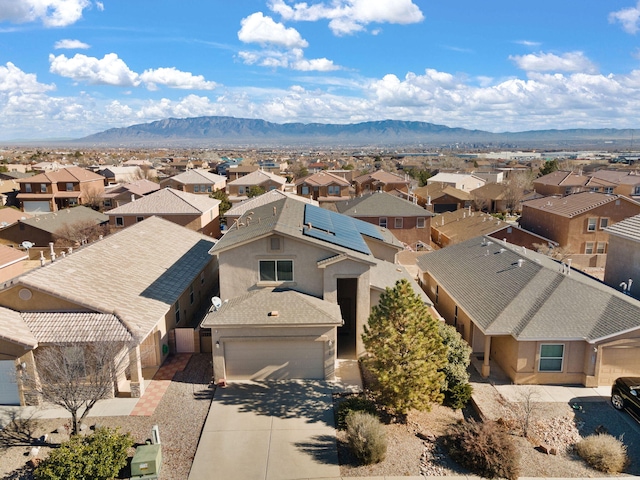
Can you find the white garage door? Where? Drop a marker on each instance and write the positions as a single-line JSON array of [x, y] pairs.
[[8, 387], [37, 207], [274, 360], [619, 362]]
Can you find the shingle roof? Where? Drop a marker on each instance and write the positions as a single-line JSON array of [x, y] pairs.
[[534, 301], [572, 205], [167, 201], [294, 308], [136, 274], [258, 177], [198, 176], [53, 222], [385, 275], [628, 228], [14, 329], [264, 199], [76, 327], [379, 204]]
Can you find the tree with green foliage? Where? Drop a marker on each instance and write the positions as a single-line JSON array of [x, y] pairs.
[[549, 167], [456, 387], [225, 204], [99, 456], [406, 352], [255, 191]]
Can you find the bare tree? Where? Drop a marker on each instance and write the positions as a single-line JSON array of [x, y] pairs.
[[79, 233], [522, 411], [557, 252], [75, 376], [517, 184], [93, 198]]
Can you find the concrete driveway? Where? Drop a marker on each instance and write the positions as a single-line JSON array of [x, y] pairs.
[[270, 431]]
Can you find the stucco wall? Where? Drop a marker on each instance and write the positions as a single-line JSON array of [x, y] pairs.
[[623, 263]]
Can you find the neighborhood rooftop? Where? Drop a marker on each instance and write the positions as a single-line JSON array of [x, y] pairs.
[[572, 205], [379, 204], [167, 201], [628, 228]]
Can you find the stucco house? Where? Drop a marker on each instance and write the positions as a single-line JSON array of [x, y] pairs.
[[625, 182], [199, 213], [380, 181], [440, 197], [323, 187], [539, 320], [238, 189], [137, 284], [122, 194], [239, 209], [462, 181], [562, 182], [196, 180], [289, 253]]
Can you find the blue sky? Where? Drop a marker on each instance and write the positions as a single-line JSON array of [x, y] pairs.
[[69, 68]]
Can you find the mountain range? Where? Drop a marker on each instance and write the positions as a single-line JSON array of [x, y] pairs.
[[230, 131]]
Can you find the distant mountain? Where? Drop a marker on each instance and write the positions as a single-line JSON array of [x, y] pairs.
[[230, 131]]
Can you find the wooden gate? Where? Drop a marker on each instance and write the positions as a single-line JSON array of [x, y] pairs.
[[184, 340]]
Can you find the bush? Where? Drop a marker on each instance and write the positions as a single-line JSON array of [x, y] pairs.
[[603, 452], [353, 404], [366, 436], [485, 449], [458, 395], [99, 456]]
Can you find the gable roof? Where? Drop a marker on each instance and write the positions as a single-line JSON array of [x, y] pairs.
[[157, 261], [288, 217], [139, 187], [576, 204], [167, 201], [264, 199], [53, 222], [323, 178], [380, 204], [294, 308], [258, 177], [493, 191], [198, 176], [619, 177], [454, 178], [381, 176], [9, 216], [14, 329], [628, 228], [9, 256], [76, 327], [68, 174], [439, 190], [462, 225], [532, 300]]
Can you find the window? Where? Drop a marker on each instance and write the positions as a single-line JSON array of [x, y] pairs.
[[604, 223], [27, 187], [139, 219], [69, 187], [209, 188], [74, 362], [420, 223], [334, 190], [276, 270], [397, 223], [591, 225], [601, 247], [73, 202], [107, 203], [43, 188], [594, 189], [191, 294], [608, 189], [304, 190], [588, 248], [382, 222], [551, 358], [567, 190], [437, 292], [240, 190], [196, 189], [636, 191], [177, 311], [119, 221]]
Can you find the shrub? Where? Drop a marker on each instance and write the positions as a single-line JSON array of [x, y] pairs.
[[366, 436], [603, 452], [353, 404], [458, 395], [483, 448], [99, 456]]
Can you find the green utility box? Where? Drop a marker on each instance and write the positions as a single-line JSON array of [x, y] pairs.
[[146, 462]]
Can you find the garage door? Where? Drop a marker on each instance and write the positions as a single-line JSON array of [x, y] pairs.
[[37, 207], [274, 360], [8, 387], [619, 362]]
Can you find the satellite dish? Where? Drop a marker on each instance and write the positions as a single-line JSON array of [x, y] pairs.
[[216, 302], [26, 245]]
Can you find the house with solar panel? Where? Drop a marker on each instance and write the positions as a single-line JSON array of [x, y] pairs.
[[297, 283]]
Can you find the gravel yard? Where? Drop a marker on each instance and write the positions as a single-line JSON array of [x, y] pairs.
[[180, 417]]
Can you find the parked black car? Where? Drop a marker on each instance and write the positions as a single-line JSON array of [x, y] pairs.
[[625, 394]]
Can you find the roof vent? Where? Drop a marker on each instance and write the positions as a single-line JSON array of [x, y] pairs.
[[520, 262], [273, 313], [502, 250]]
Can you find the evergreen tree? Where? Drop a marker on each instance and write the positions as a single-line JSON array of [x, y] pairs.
[[406, 351], [549, 167]]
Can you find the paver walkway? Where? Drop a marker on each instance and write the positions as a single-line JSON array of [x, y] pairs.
[[159, 384]]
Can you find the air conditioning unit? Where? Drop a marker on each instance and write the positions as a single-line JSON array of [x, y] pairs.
[[146, 462]]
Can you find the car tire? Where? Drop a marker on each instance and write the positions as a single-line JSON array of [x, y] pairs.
[[617, 401]]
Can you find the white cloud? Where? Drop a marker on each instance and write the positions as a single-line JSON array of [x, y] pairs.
[[110, 70], [528, 43], [52, 13], [629, 18], [292, 59], [174, 78], [256, 28], [100, 6], [71, 45], [548, 62], [350, 16], [14, 81]]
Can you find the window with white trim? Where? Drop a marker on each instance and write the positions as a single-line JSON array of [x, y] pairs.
[[601, 247], [382, 222], [139, 219], [196, 189], [119, 221], [551, 357], [276, 270], [591, 224], [604, 223], [608, 189], [636, 190], [43, 188], [588, 248], [420, 223], [241, 190], [107, 203], [398, 222], [333, 190], [304, 190]]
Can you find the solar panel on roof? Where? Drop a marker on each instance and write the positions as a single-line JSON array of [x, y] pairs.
[[336, 229]]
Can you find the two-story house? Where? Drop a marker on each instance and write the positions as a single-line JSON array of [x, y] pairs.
[[323, 187], [625, 182], [409, 222], [536, 318], [117, 195], [59, 189], [196, 181], [239, 189], [290, 274], [577, 222], [566, 183], [462, 181], [380, 181]]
